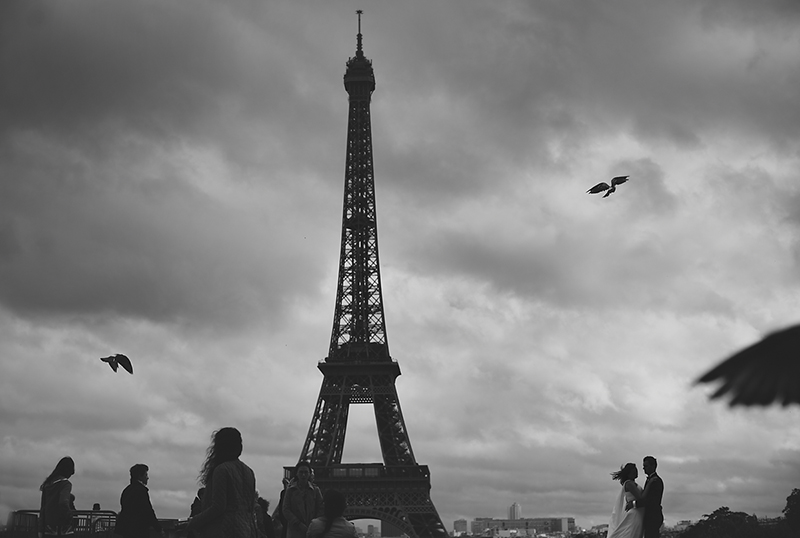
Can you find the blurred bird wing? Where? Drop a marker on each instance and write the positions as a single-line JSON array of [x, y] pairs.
[[764, 372], [619, 180], [112, 362], [600, 187], [125, 362]]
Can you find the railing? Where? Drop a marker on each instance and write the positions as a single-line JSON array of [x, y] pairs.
[[98, 523], [86, 524]]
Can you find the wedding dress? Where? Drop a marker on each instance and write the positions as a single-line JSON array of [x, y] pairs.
[[624, 524]]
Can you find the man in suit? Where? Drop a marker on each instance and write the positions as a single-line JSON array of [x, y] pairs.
[[136, 516], [651, 501]]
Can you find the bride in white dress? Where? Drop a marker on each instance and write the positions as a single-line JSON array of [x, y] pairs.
[[628, 524]]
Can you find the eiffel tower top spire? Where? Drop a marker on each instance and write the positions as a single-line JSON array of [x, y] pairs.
[[359, 79], [359, 329], [359, 52]]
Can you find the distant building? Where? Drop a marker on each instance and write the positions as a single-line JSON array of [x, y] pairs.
[[515, 511], [459, 527], [479, 525], [522, 527], [769, 521]]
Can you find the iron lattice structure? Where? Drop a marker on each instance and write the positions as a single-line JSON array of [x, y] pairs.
[[358, 368]]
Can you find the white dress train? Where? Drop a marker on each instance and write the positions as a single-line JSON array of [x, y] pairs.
[[624, 524]]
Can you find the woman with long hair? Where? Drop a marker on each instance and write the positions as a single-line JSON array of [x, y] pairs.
[[56, 508], [332, 524], [630, 523], [230, 494]]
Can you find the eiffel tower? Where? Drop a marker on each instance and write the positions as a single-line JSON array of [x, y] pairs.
[[358, 368]]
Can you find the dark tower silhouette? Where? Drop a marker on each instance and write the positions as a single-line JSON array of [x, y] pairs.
[[358, 368]]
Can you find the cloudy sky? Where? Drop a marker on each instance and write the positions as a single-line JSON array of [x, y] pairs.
[[171, 178]]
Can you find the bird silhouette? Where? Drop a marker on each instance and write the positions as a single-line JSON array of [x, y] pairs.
[[603, 186], [762, 373], [119, 360]]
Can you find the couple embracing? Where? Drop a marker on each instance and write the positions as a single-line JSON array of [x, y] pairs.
[[637, 511]]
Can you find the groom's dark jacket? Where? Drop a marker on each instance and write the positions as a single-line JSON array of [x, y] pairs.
[[653, 492]]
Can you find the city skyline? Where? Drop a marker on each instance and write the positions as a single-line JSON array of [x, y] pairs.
[[171, 186]]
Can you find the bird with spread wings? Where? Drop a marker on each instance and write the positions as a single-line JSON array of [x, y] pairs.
[[114, 361], [762, 373], [609, 189]]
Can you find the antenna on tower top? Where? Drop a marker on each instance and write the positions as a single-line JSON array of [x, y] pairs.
[[359, 52]]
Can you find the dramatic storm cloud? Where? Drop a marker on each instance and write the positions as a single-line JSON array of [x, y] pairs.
[[171, 183]]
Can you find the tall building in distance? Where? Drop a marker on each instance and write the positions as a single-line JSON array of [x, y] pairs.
[[459, 527], [515, 511]]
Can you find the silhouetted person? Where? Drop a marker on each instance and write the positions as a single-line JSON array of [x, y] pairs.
[[230, 497], [651, 499], [197, 503], [196, 508], [332, 524], [626, 523], [96, 521], [278, 519], [136, 516], [302, 502], [263, 519], [57, 503]]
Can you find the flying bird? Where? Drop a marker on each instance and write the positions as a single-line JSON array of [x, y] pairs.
[[603, 186], [119, 360], [766, 371]]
